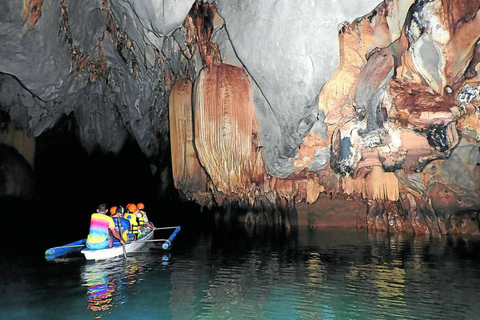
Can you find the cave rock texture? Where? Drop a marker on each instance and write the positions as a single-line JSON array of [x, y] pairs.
[[267, 104]]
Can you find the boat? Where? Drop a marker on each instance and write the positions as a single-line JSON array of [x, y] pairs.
[[117, 249], [69, 248]]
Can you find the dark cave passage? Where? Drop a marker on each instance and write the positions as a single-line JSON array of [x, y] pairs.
[[65, 172], [70, 183]]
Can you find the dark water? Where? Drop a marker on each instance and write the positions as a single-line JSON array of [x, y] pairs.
[[234, 273], [212, 272]]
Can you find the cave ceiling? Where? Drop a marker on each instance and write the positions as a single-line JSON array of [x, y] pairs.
[[265, 101]]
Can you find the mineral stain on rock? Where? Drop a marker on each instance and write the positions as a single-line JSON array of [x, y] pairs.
[[284, 109]]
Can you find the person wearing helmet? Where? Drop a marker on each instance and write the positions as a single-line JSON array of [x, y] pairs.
[[141, 209], [132, 218], [113, 210], [121, 224], [143, 224], [102, 230], [140, 220]]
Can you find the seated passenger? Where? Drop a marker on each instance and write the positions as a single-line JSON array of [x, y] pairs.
[[142, 224], [132, 218], [141, 209], [121, 224], [102, 230]]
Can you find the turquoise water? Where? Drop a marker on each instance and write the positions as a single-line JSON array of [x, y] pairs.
[[234, 273]]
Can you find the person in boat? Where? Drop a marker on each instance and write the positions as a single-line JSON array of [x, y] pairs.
[[113, 210], [142, 222], [132, 218], [102, 230], [121, 224], [141, 209]]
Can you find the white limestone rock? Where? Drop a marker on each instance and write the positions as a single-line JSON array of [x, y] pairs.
[[290, 49]]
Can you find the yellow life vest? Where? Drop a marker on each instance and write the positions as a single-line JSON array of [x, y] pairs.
[[141, 220], [133, 222]]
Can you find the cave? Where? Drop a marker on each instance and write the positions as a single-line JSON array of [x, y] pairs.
[[362, 114]]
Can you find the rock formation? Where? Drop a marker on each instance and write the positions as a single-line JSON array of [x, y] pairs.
[[188, 175], [267, 105], [16, 175]]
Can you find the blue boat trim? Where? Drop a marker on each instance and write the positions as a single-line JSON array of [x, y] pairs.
[[71, 247], [168, 243]]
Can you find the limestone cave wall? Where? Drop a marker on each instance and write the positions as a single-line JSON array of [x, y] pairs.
[[267, 104]]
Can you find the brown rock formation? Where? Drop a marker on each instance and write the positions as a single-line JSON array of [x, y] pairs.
[[226, 129], [188, 175], [32, 11], [397, 113], [402, 114]]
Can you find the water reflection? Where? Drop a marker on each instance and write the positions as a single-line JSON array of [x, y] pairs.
[[110, 283], [100, 290], [103, 281], [325, 273], [231, 273]]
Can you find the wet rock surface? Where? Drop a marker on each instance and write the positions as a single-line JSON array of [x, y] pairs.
[[267, 104]]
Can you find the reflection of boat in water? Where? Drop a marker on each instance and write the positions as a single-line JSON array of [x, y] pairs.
[[102, 283], [111, 283]]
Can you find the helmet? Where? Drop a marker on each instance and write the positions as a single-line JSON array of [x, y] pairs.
[[132, 207], [113, 210], [140, 206], [121, 210]]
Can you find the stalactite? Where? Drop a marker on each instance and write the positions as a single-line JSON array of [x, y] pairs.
[[188, 175], [382, 185], [224, 118], [374, 184], [313, 189]]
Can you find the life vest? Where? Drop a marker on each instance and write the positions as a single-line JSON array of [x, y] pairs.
[[144, 215], [141, 219], [123, 227], [133, 222]]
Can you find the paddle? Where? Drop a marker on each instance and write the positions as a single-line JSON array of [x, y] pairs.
[[124, 251], [119, 224]]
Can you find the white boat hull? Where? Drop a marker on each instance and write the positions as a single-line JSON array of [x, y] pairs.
[[116, 250]]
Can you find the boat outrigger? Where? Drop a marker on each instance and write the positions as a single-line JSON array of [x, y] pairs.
[[69, 248], [115, 251]]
